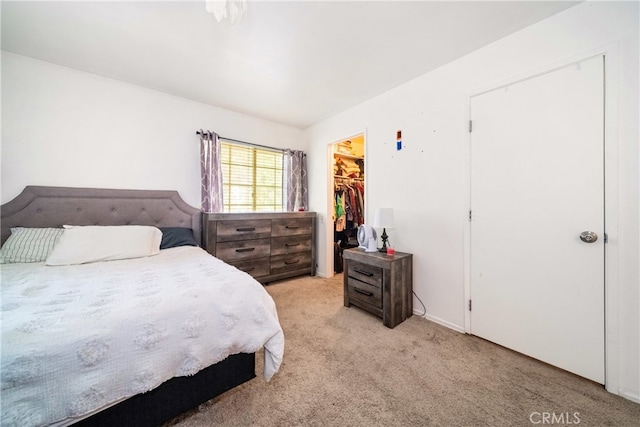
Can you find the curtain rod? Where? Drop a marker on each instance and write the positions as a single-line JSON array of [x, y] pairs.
[[246, 143]]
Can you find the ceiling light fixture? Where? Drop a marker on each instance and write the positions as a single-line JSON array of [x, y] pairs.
[[231, 11]]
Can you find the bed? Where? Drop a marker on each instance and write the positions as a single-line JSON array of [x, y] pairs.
[[113, 361]]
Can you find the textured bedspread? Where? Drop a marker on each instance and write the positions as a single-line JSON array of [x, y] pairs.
[[77, 338]]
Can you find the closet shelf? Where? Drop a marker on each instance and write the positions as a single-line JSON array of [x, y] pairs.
[[348, 177], [348, 156]]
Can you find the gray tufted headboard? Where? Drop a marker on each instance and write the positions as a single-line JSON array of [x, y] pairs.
[[55, 206]]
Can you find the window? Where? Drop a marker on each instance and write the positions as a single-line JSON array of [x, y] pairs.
[[252, 178]]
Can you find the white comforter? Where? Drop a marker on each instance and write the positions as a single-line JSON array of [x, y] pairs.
[[77, 338]]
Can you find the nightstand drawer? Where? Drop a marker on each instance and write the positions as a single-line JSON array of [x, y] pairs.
[[365, 273], [228, 231], [282, 263], [291, 226], [290, 245], [364, 292], [255, 267], [231, 251]]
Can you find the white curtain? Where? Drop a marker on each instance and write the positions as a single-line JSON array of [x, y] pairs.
[[295, 192], [211, 172]]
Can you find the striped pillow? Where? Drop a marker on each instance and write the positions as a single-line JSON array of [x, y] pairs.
[[30, 244]]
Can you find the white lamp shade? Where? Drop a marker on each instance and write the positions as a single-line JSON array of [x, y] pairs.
[[384, 218]]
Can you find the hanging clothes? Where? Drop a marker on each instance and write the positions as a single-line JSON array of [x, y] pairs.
[[348, 200], [349, 211], [340, 212]]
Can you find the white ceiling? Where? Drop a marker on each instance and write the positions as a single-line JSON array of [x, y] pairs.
[[292, 62]]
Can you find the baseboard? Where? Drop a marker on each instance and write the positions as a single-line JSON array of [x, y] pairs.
[[439, 321], [630, 396]]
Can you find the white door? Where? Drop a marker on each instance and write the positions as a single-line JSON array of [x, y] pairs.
[[537, 183]]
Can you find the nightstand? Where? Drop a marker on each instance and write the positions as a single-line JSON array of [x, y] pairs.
[[379, 283]]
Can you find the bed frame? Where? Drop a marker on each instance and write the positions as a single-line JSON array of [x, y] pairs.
[[39, 206]]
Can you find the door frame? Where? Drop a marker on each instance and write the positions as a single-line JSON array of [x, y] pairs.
[[328, 235], [611, 285]]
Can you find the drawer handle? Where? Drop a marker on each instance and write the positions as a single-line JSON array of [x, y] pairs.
[[248, 269], [360, 291], [365, 273], [292, 244], [292, 226], [245, 249], [295, 261], [246, 229]]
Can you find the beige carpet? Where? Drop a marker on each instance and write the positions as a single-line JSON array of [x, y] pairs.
[[342, 367]]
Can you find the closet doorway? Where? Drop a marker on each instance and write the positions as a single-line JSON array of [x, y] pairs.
[[347, 194]]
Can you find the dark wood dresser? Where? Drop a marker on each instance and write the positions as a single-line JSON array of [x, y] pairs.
[[379, 283], [269, 246]]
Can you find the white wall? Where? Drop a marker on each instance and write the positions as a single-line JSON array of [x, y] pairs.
[[65, 127], [427, 182]]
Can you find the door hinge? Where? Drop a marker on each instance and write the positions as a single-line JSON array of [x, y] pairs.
[[469, 215], [469, 305], [470, 126]]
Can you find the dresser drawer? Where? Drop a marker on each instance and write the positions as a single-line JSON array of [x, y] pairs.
[[291, 226], [282, 263], [365, 292], [229, 231], [255, 267], [290, 245], [246, 249], [365, 273]]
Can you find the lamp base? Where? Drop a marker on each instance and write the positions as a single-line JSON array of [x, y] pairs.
[[385, 239]]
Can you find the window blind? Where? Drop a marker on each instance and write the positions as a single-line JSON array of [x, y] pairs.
[[252, 178]]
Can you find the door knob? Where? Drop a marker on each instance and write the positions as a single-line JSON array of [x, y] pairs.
[[588, 236]]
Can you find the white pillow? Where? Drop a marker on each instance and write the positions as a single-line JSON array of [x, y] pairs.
[[30, 244], [83, 244]]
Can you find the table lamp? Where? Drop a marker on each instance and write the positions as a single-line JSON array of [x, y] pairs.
[[384, 219]]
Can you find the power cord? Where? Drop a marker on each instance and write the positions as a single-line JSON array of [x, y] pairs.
[[423, 307]]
